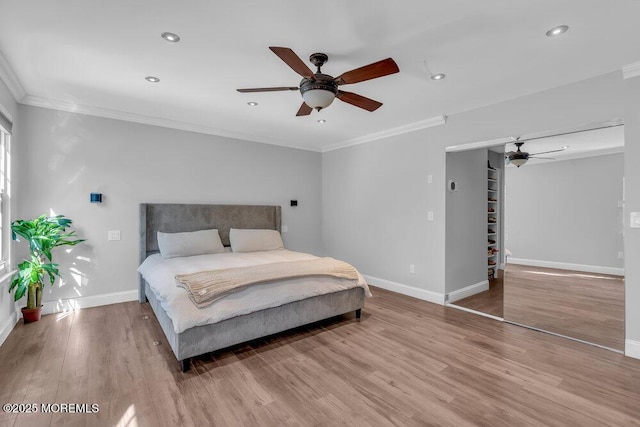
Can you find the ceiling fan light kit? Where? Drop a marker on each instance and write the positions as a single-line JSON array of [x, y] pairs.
[[519, 158], [318, 90]]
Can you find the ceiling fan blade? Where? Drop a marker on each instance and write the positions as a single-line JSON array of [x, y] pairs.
[[292, 60], [304, 110], [368, 72], [541, 158], [358, 100], [547, 152], [267, 89]]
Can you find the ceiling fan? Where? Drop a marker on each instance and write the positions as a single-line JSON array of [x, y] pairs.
[[319, 90], [519, 158]]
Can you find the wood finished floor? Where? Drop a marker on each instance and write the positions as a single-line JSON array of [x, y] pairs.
[[586, 306], [407, 362], [489, 301]]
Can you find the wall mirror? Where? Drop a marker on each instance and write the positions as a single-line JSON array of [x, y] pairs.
[[539, 227], [563, 223]]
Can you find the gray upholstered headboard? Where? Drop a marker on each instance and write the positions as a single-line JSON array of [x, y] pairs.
[[174, 218]]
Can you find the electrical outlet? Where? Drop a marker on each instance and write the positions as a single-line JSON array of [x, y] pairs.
[[114, 235], [430, 216], [620, 255], [429, 179], [412, 269], [285, 229]]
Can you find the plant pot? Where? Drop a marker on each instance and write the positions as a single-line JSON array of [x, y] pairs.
[[31, 314]]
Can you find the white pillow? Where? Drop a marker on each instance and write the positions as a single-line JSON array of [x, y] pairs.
[[189, 243], [249, 240]]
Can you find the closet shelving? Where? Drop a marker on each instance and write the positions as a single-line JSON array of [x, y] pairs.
[[493, 193]]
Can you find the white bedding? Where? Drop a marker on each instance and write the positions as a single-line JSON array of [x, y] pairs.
[[160, 274]]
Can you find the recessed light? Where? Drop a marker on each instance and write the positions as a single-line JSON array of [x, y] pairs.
[[171, 37], [564, 147], [152, 79], [438, 76], [252, 103], [556, 31], [322, 121]]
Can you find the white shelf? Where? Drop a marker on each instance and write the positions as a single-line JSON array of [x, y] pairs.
[[493, 192]]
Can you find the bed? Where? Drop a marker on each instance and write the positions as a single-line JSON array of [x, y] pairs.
[[192, 338]]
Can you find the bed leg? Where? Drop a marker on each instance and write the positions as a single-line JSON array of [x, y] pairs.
[[358, 313], [185, 364]]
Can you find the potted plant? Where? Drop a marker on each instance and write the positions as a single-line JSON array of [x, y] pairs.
[[43, 234]]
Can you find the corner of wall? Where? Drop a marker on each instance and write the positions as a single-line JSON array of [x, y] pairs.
[[632, 349]]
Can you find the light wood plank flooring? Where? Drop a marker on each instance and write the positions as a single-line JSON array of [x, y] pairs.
[[586, 306], [489, 301], [406, 362]]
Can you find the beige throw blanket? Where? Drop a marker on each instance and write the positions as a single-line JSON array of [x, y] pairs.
[[206, 287]]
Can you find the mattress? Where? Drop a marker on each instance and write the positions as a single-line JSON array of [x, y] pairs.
[[160, 274]]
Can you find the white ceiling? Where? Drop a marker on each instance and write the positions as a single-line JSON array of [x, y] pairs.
[[92, 56]]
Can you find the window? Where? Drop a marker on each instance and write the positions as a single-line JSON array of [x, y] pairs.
[[5, 197]]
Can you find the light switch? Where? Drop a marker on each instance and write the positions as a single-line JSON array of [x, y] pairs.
[[114, 234], [430, 216], [285, 229], [429, 179], [634, 220]]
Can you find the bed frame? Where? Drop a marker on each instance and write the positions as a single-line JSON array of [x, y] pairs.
[[173, 218]]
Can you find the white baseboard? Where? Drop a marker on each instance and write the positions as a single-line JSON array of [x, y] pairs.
[[567, 266], [71, 304], [411, 291], [8, 326], [468, 291], [632, 349]]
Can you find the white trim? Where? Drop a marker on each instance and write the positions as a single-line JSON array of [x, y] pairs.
[[480, 313], [564, 336], [411, 127], [90, 301], [568, 266], [631, 70], [632, 349], [8, 326], [150, 120], [411, 291], [10, 79], [467, 291], [479, 144], [91, 110]]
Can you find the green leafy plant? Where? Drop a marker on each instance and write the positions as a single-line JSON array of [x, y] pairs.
[[43, 234]]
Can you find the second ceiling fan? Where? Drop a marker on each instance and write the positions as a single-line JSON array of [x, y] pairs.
[[319, 90], [519, 158]]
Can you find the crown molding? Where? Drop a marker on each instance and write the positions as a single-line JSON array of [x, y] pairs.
[[479, 144], [10, 79], [631, 70], [411, 127], [150, 120], [193, 127]]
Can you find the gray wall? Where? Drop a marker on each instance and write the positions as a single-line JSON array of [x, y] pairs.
[[466, 224], [632, 204], [7, 313], [566, 211], [376, 195], [65, 156]]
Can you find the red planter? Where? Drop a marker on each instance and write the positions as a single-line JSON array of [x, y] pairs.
[[31, 314]]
